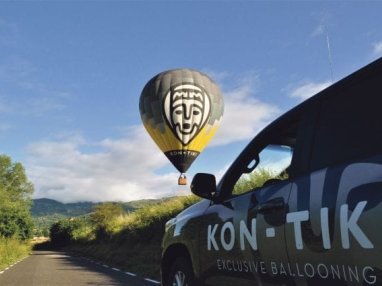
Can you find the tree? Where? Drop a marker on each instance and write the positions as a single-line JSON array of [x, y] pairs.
[[69, 230], [15, 200], [105, 218]]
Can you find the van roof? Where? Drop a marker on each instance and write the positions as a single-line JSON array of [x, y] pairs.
[[350, 80]]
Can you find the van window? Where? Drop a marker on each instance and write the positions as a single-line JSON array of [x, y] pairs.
[[271, 168], [348, 124], [270, 155]]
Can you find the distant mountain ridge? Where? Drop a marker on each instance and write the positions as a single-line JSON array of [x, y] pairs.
[[45, 212], [47, 207]]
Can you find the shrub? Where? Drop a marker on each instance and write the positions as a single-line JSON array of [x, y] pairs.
[[15, 223], [106, 219], [70, 230]]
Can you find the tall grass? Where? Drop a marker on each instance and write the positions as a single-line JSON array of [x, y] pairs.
[[152, 214], [12, 250], [131, 241]]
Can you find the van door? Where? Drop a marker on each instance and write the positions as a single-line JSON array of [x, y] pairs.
[[242, 233], [333, 225], [244, 237]]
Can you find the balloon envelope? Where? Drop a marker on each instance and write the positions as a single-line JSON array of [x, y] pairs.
[[181, 110]]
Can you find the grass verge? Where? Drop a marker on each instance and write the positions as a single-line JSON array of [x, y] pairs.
[[12, 250], [129, 241]]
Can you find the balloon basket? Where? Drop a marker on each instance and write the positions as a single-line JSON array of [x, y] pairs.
[[182, 181]]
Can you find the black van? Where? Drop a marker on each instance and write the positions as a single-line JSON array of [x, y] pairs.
[[301, 205]]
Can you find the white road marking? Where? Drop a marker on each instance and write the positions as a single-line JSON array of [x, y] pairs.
[[116, 269], [153, 281], [10, 266]]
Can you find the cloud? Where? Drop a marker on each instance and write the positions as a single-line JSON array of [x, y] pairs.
[[377, 49], [127, 168], [308, 89], [37, 97], [244, 115], [39, 106], [325, 20], [318, 31], [120, 170]]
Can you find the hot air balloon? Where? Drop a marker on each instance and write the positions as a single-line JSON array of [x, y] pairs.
[[181, 110]]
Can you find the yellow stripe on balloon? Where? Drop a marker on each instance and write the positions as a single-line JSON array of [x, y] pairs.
[[168, 142]]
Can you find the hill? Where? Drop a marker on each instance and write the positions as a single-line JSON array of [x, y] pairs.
[[45, 212], [46, 207]]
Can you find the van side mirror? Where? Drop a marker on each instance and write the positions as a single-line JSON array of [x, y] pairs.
[[204, 185]]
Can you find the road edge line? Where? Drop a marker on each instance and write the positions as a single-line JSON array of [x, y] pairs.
[[119, 270], [10, 266]]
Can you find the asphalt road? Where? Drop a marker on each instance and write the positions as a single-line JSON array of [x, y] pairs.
[[49, 268]]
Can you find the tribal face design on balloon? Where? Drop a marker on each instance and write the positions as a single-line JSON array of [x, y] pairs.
[[186, 108]]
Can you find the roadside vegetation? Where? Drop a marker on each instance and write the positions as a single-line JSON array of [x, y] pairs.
[[111, 233], [128, 240], [16, 226], [257, 179], [12, 250], [46, 212]]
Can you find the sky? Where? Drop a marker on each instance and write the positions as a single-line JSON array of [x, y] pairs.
[[71, 74]]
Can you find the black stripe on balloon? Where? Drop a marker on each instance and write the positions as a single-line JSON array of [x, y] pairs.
[[182, 159]]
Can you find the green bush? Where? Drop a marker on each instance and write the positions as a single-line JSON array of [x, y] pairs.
[[105, 219], [67, 231], [15, 192], [15, 223]]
